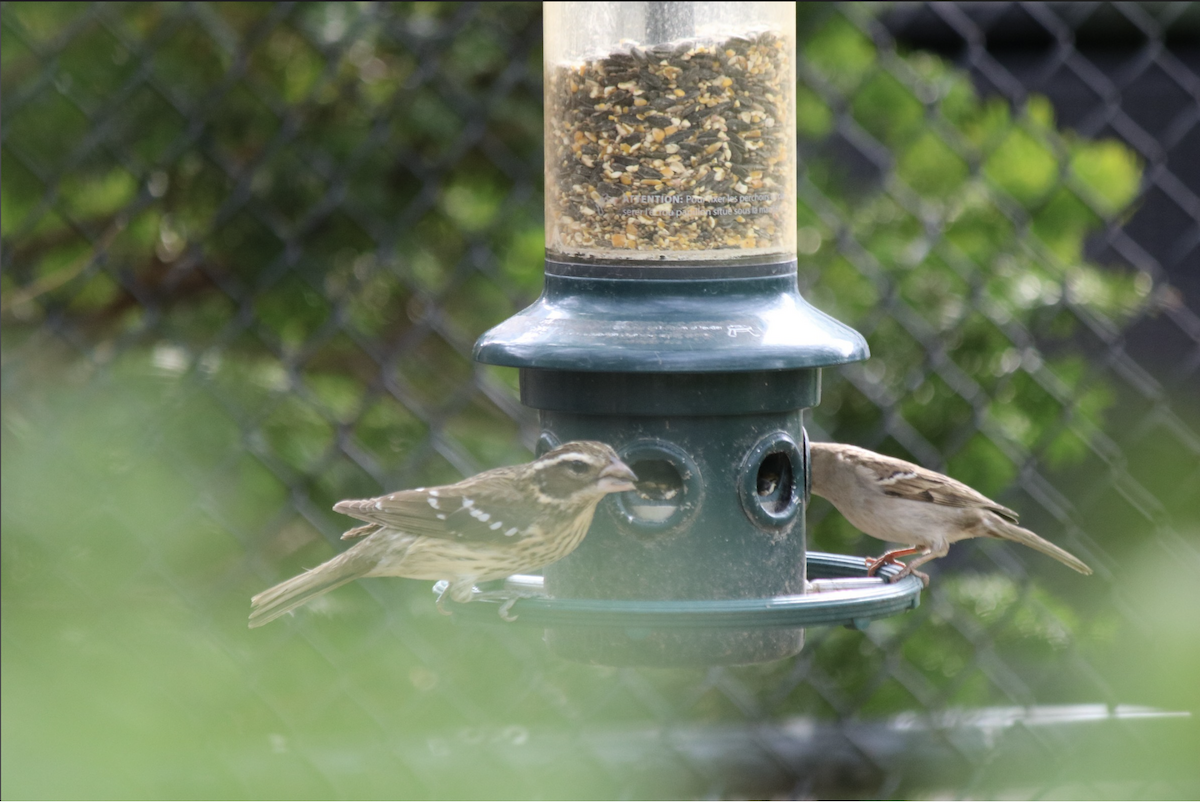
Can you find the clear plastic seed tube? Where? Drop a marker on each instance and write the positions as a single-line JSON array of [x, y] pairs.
[[670, 131]]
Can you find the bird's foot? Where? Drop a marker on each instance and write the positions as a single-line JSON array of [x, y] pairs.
[[906, 571], [875, 564], [509, 597], [441, 600], [505, 608], [461, 590]]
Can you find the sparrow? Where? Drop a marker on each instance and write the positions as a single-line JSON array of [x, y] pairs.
[[509, 520], [898, 501]]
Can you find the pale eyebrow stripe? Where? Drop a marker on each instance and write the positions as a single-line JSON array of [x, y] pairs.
[[568, 456]]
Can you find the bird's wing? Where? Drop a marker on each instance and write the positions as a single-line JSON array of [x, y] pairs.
[[904, 480], [485, 511]]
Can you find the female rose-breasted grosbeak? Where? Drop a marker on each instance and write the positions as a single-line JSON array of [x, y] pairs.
[[504, 521], [894, 500]]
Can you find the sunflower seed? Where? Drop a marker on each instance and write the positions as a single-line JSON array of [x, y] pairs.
[[671, 148]]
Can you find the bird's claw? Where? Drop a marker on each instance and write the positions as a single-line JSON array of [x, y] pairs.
[[505, 607], [441, 602], [508, 598], [906, 571], [875, 564]]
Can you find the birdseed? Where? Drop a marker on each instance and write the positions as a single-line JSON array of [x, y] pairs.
[[682, 147]]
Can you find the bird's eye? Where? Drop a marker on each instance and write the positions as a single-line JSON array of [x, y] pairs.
[[577, 466]]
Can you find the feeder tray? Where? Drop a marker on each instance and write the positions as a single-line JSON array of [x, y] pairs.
[[840, 593]]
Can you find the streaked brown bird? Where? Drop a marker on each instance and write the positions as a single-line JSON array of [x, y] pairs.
[[898, 501], [508, 520]]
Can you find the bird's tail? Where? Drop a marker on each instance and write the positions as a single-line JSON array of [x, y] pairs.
[[291, 594], [1011, 532]]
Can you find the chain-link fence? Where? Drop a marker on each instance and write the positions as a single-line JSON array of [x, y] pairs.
[[247, 249]]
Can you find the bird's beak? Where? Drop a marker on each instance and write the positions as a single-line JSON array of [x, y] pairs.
[[617, 476]]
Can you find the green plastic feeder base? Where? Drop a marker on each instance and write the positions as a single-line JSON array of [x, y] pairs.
[[699, 377], [840, 593]]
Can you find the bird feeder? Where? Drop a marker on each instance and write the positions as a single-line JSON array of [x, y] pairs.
[[671, 325]]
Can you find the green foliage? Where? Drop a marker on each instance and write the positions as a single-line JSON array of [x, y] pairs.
[[978, 232], [296, 132], [813, 118], [839, 52]]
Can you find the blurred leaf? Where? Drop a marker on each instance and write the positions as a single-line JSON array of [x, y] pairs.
[[1110, 171], [930, 167], [1023, 167], [887, 109], [840, 53]]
